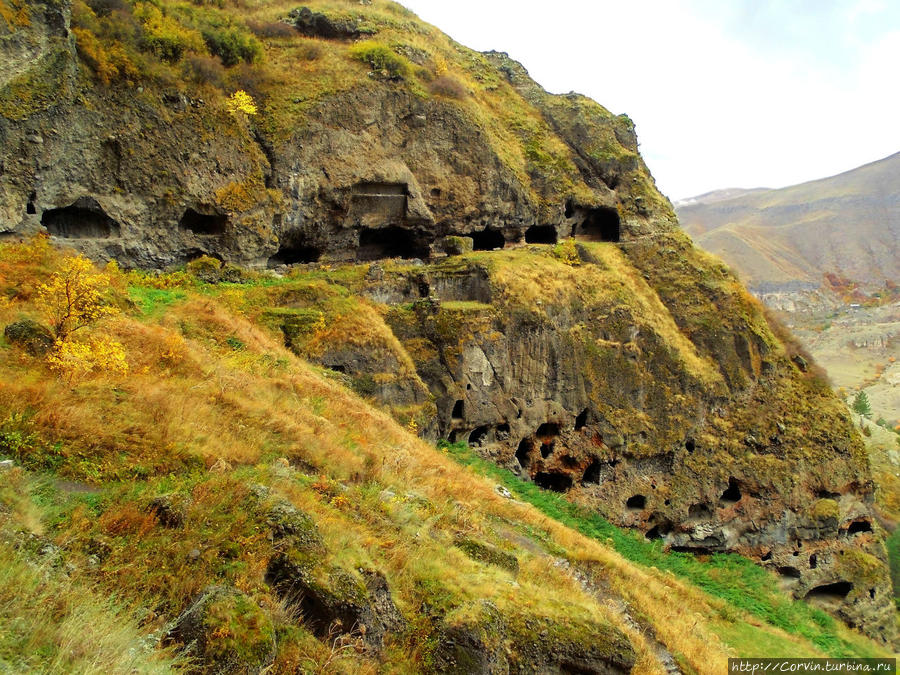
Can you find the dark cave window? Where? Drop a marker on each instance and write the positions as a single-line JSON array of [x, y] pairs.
[[789, 572], [839, 589], [592, 473], [557, 482], [390, 242], [859, 526], [294, 249], [457, 413], [813, 561], [636, 502], [523, 452], [478, 436], [541, 234], [689, 445], [85, 219], [733, 494], [487, 240], [203, 223], [582, 420], [600, 224]]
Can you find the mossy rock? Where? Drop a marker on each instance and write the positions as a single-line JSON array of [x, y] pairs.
[[454, 245], [488, 554], [472, 644], [330, 599], [225, 631], [287, 521], [825, 510], [31, 336]]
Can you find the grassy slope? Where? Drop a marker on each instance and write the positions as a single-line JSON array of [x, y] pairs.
[[206, 385]]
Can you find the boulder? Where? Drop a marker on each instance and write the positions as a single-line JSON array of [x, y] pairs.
[[31, 336], [225, 631], [316, 24], [332, 601]]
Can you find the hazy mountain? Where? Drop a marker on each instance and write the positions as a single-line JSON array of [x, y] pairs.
[[847, 224]]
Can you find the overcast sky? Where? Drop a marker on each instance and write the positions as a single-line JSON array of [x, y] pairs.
[[724, 93]]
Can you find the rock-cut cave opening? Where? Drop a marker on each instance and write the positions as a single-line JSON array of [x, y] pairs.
[[600, 224], [203, 223], [549, 480], [582, 419], [84, 219], [487, 239], [732, 495], [593, 472], [458, 410], [636, 502], [858, 526], [523, 452], [836, 591], [541, 234], [478, 436], [390, 242], [294, 249]]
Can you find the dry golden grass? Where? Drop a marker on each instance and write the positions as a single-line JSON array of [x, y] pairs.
[[206, 384]]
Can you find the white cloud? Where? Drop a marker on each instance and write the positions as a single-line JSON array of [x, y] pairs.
[[723, 94]]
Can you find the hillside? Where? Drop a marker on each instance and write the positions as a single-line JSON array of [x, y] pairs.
[[397, 363], [787, 239]]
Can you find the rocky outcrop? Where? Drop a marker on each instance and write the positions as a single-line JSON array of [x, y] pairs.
[[31, 336], [225, 632], [333, 602]]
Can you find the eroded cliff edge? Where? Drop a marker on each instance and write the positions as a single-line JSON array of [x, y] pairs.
[[623, 367]]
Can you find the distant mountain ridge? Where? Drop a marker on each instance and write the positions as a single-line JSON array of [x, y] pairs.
[[848, 224]]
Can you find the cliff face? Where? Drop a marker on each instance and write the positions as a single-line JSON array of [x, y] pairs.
[[622, 367]]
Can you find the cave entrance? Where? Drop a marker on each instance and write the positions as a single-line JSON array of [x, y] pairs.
[[487, 240], [523, 452], [457, 413], [84, 219], [733, 494], [203, 223], [582, 419], [599, 224], [858, 526], [636, 503], [478, 436], [389, 242], [557, 482], [541, 234], [593, 472], [294, 249], [831, 592]]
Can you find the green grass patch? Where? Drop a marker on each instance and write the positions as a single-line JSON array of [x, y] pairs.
[[152, 301], [732, 578]]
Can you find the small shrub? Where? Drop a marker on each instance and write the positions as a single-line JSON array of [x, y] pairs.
[[164, 36], [382, 59], [448, 86], [271, 29], [205, 70], [232, 45], [109, 63]]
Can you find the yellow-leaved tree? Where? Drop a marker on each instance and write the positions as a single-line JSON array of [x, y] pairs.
[[241, 102], [74, 299]]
